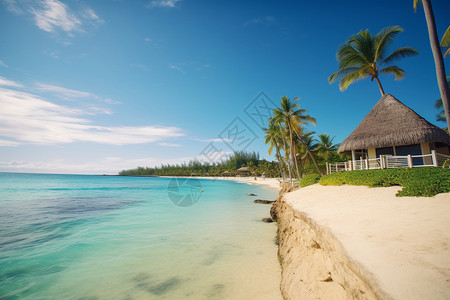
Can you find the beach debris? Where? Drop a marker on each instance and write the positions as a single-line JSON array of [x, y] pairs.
[[328, 279], [267, 220], [250, 194], [260, 201]]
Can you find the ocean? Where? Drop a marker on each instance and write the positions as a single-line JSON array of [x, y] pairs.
[[111, 237]]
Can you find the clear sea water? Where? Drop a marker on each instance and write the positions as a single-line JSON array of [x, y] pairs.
[[110, 237]]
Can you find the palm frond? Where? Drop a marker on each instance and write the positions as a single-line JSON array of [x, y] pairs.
[[399, 53], [336, 76], [384, 38], [415, 4], [397, 71], [351, 78], [445, 42]]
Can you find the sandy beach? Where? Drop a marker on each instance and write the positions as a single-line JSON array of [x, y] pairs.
[[394, 247]]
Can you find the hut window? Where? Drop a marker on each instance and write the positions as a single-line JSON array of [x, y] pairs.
[[410, 150], [385, 151], [361, 154]]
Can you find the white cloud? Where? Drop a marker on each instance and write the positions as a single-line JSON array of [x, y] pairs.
[[177, 69], [108, 165], [163, 3], [147, 40], [6, 82], [2, 64], [28, 118], [13, 6], [4, 143], [55, 14], [70, 94], [65, 93]]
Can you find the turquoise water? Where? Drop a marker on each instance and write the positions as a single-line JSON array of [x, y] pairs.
[[110, 237]]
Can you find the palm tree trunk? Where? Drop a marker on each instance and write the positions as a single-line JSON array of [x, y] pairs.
[[380, 86], [296, 164], [438, 60]]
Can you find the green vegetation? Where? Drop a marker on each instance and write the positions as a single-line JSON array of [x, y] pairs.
[[366, 55], [425, 182], [238, 159], [309, 179]]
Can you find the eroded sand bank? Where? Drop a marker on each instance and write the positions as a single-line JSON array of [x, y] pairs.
[[353, 242]]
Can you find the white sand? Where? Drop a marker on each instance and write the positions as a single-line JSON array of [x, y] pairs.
[[403, 241], [268, 182]]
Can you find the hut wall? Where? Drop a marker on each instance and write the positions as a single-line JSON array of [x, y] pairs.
[[425, 147], [372, 153]]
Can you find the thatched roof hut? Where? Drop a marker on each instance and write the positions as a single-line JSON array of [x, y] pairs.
[[244, 171], [226, 173], [391, 123]]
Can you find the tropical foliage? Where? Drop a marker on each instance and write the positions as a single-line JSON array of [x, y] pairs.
[[298, 151], [425, 182], [365, 55], [195, 168]]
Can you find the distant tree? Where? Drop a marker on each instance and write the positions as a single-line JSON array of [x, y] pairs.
[[325, 147], [366, 55]]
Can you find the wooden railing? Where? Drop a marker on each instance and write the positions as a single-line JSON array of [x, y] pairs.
[[388, 162]]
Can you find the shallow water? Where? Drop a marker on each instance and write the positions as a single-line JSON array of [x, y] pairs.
[[103, 237]]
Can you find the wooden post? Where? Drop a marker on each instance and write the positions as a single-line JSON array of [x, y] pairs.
[[410, 162], [327, 168], [434, 158], [381, 162]]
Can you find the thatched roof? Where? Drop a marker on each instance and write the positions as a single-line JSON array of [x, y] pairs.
[[390, 123], [244, 169]]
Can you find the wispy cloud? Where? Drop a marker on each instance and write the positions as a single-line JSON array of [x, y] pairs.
[[2, 64], [177, 69], [70, 94], [217, 140], [262, 20], [4, 143], [107, 165], [147, 40], [54, 15], [7, 82], [163, 3], [28, 118]]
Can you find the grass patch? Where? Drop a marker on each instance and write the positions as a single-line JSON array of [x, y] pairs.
[[424, 182], [309, 179]]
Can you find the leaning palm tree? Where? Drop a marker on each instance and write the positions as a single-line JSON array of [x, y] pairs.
[[290, 114], [437, 55], [366, 55], [307, 147]]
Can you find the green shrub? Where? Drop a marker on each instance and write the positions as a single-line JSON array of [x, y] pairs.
[[425, 182], [309, 179]]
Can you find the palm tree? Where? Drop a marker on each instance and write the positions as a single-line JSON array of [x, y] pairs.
[[290, 114], [325, 146], [365, 55], [274, 138], [437, 55]]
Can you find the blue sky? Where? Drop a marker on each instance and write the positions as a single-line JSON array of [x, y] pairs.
[[100, 86]]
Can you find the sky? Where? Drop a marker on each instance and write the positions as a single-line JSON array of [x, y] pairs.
[[95, 87]]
